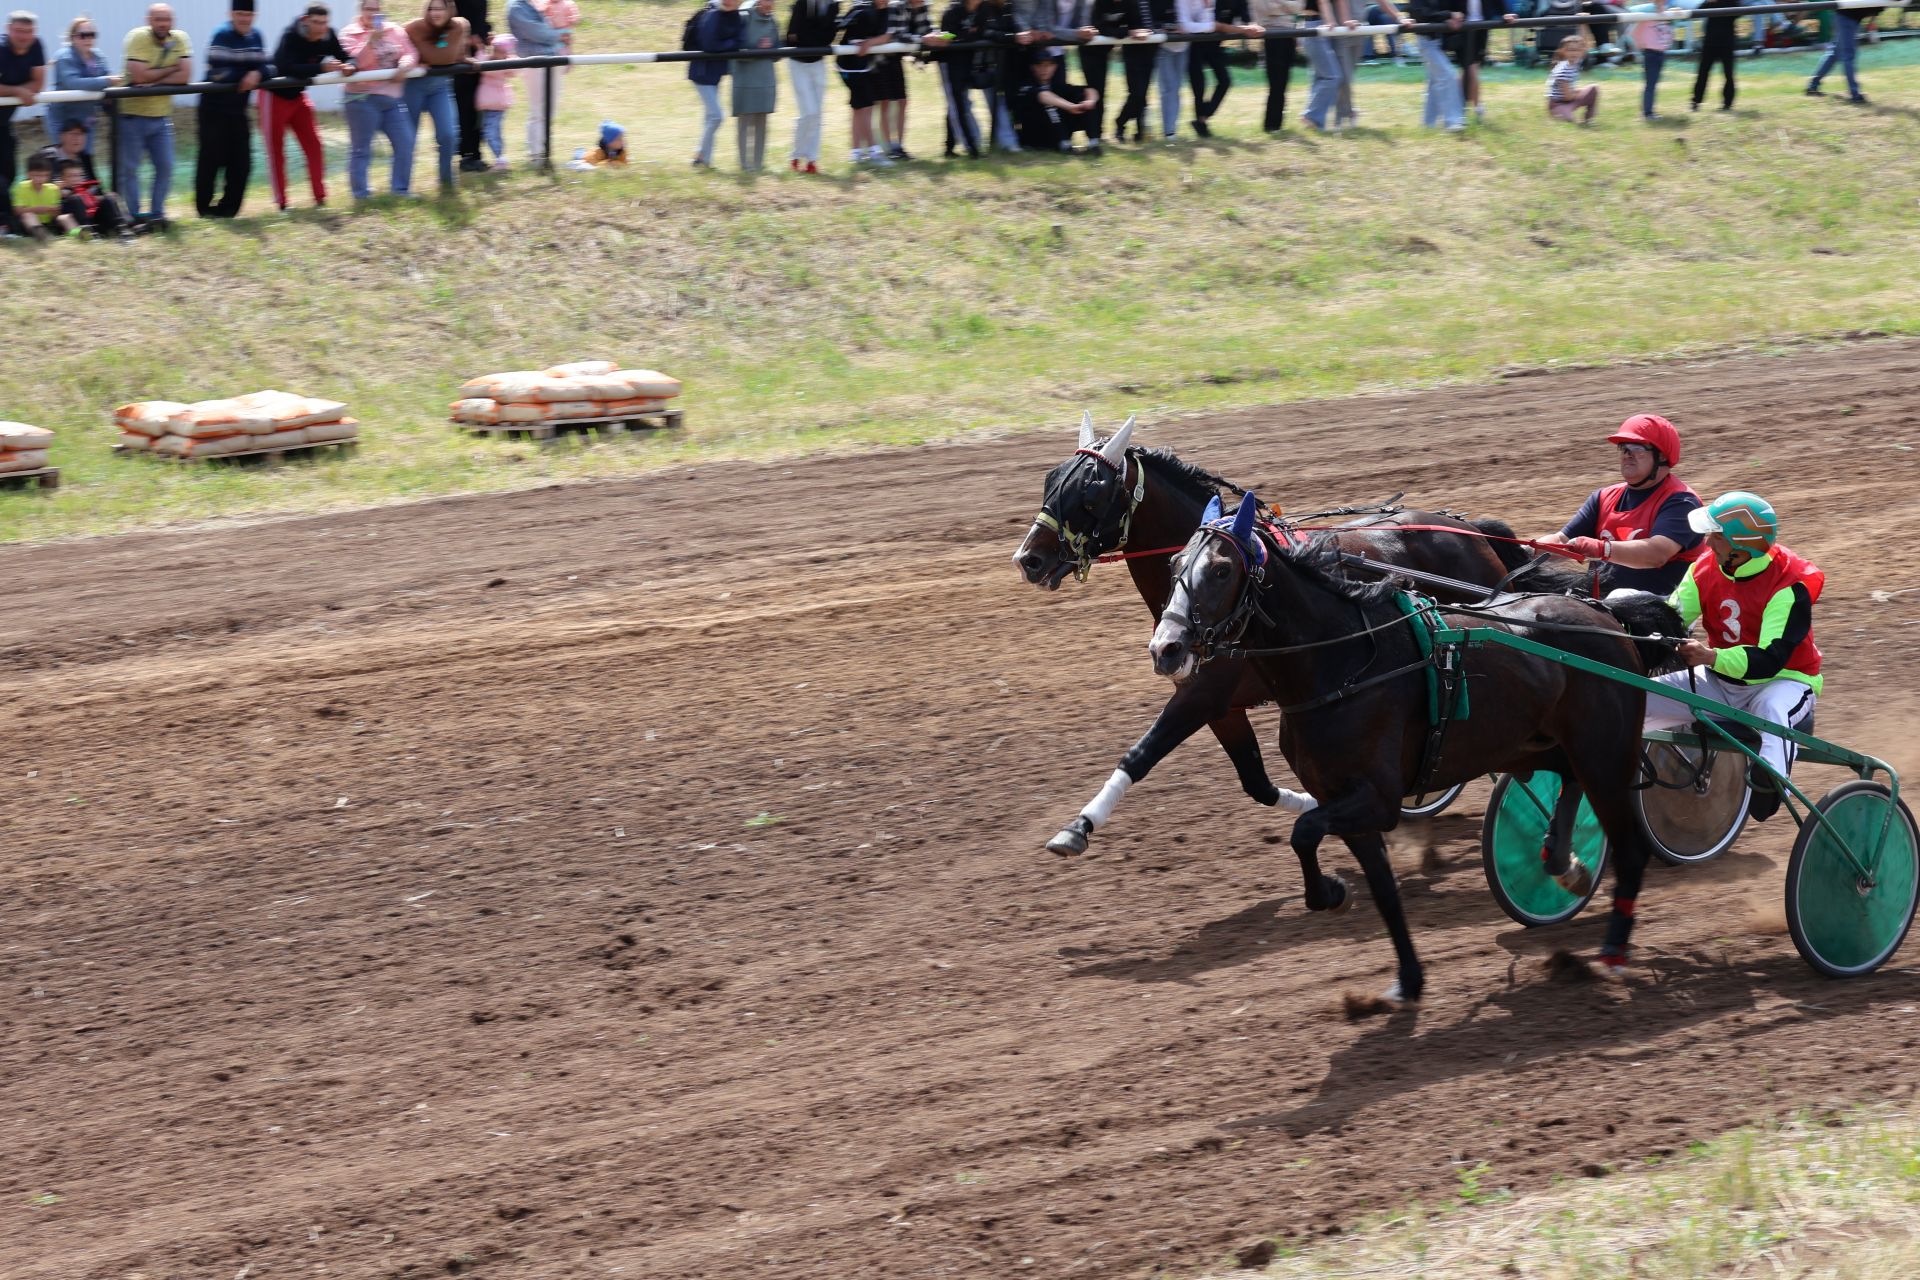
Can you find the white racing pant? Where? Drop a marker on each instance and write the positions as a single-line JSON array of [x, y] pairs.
[[1782, 701]]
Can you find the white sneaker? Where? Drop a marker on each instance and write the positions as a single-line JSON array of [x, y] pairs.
[[1479, 112]]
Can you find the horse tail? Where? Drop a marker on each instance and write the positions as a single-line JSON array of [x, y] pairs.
[[1547, 578], [1643, 613]]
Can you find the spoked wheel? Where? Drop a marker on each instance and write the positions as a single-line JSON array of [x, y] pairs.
[[1843, 923], [1428, 803], [1697, 804], [1510, 838]]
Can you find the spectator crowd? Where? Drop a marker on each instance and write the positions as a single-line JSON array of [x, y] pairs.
[[1012, 54]]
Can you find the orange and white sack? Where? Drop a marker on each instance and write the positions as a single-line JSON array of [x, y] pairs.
[[641, 404], [22, 460], [283, 411], [212, 418], [476, 409], [583, 369], [552, 411], [279, 440], [153, 417], [329, 432], [134, 440], [648, 382], [18, 435], [519, 388], [203, 446]]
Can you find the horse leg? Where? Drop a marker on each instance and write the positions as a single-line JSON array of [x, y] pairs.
[[1371, 850], [1630, 854], [1556, 849], [1235, 732], [1324, 892]]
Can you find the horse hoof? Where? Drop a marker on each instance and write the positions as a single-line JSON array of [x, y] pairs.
[[1397, 995], [1576, 880], [1345, 904], [1068, 843]]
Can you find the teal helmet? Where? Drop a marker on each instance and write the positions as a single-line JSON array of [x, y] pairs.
[[1747, 520]]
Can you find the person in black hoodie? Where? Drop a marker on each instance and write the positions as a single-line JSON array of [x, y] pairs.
[[479, 37], [307, 48], [963, 71], [811, 26], [1143, 18], [1716, 46]]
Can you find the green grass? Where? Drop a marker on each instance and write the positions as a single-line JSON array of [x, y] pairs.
[[1829, 1197], [941, 299]]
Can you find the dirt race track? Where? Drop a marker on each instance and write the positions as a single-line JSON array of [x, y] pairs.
[[384, 894]]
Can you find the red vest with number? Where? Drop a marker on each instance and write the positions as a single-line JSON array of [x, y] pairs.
[[1616, 525], [1731, 608]]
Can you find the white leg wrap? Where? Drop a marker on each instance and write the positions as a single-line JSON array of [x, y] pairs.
[[1296, 801], [1100, 808]]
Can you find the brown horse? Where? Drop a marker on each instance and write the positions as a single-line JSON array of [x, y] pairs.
[[1110, 497], [1346, 668]]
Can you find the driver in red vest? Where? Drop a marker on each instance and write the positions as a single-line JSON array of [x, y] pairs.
[[1637, 529], [1754, 598]]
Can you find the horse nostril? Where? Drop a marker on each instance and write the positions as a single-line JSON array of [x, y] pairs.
[[1030, 562]]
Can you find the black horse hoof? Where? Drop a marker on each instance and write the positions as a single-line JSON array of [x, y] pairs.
[[1072, 838], [1344, 902]]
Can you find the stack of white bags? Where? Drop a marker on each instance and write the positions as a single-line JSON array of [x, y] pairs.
[[23, 448], [243, 424], [586, 389]]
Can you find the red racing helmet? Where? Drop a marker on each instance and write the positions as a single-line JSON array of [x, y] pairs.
[[1653, 430]]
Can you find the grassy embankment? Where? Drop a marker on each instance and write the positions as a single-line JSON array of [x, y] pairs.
[[1828, 1198], [941, 298]]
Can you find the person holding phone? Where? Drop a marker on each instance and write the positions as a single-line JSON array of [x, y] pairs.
[[374, 44]]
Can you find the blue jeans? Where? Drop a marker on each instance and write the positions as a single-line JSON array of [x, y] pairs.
[[1655, 61], [1327, 74], [152, 137], [1003, 135], [433, 95], [370, 113], [1445, 103], [493, 130], [1171, 68], [710, 120], [963, 127], [1846, 35]]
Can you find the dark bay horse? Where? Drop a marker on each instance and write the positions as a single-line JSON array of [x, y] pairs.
[[1354, 714], [1111, 497]]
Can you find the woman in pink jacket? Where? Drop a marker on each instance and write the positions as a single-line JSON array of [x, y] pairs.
[[492, 99], [374, 44]]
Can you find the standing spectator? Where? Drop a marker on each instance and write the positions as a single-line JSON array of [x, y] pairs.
[[156, 55], [970, 22], [810, 26], [237, 55], [1564, 94], [1348, 49], [535, 37], [1444, 104], [439, 40], [1653, 39], [719, 30], [1106, 18], [1328, 68], [466, 89], [1846, 39], [378, 106], [1369, 52], [756, 86], [1276, 55], [1171, 70], [1470, 48], [1137, 62], [864, 27], [23, 73], [1716, 46], [1009, 72], [307, 48], [907, 22], [1230, 18], [79, 66], [492, 99]]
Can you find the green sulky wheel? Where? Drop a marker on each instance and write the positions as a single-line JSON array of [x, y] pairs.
[[1510, 839], [1845, 925]]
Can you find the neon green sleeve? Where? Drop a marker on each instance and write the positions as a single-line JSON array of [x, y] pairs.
[[1686, 599]]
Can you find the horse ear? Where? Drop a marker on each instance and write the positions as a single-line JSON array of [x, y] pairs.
[[1115, 450], [1212, 512], [1086, 429], [1243, 518]]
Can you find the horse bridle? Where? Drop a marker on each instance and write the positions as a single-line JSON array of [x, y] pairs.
[[1230, 627], [1081, 546]]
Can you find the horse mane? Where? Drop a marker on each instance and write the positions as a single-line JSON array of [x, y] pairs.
[[1199, 483], [1319, 560]]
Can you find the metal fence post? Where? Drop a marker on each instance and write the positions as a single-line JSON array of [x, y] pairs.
[[546, 119], [113, 145]]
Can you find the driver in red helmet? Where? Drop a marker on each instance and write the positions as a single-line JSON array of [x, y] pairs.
[[1638, 529]]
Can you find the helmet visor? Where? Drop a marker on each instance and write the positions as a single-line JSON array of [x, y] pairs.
[[1701, 520]]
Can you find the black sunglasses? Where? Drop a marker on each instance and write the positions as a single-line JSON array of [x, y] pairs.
[[86, 35]]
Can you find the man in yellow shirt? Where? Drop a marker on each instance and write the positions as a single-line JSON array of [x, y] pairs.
[[156, 55]]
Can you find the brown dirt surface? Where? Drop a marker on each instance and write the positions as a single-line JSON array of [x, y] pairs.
[[645, 878]]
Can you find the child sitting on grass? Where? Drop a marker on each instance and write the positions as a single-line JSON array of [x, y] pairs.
[[36, 202], [1564, 95], [612, 151]]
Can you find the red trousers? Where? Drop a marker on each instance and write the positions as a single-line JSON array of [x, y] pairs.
[[277, 115]]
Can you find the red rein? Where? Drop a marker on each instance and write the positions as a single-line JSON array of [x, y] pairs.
[[1552, 547]]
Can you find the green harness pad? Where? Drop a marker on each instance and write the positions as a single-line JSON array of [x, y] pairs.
[[1429, 633]]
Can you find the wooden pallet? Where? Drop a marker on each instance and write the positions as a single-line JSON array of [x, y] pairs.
[[44, 478], [345, 446], [547, 432]]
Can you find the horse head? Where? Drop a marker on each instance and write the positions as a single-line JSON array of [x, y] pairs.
[[1215, 578], [1084, 510]]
